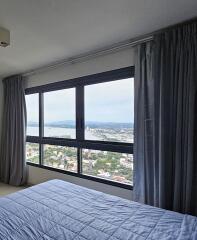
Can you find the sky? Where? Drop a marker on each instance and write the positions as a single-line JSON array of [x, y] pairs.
[[104, 102]]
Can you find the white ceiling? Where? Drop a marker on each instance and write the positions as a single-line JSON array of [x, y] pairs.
[[45, 31]]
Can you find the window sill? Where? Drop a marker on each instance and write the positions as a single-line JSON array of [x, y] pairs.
[[92, 178]]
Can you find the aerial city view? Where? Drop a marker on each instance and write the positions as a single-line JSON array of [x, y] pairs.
[[109, 165]]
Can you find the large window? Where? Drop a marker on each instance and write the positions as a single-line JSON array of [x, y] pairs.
[[84, 127]]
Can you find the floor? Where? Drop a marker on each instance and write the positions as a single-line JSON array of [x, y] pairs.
[[7, 189]]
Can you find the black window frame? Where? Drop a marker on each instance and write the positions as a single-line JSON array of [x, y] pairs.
[[80, 142]]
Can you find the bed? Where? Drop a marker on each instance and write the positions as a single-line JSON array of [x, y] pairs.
[[64, 211]]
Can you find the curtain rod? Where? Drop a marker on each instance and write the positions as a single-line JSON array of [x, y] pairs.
[[104, 51], [92, 54]]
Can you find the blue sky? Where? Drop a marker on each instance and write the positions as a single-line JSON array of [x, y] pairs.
[[106, 102]]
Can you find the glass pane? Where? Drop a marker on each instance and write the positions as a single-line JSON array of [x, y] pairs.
[[32, 104], [109, 165], [59, 114], [109, 111], [32, 152], [64, 158]]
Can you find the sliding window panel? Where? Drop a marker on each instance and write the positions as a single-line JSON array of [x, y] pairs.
[[60, 157], [109, 111], [112, 166], [32, 152], [32, 105], [60, 114]]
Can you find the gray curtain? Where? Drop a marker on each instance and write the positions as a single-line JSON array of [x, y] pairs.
[[165, 91], [12, 156]]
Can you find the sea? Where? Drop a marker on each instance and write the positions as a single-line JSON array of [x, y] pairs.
[[59, 132]]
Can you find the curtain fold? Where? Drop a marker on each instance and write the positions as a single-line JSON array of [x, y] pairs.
[[166, 79], [143, 117], [12, 156]]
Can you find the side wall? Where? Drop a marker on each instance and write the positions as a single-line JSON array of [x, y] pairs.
[[108, 62]]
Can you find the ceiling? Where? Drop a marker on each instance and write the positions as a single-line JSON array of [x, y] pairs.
[[46, 31]]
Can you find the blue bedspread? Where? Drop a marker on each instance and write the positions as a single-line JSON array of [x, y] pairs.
[[60, 210]]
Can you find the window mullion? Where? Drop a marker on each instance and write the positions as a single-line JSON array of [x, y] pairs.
[[79, 159], [41, 125], [79, 123], [80, 113]]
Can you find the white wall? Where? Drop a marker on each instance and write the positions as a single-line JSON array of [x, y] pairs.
[[108, 62]]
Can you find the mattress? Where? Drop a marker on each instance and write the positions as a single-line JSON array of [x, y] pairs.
[[64, 211]]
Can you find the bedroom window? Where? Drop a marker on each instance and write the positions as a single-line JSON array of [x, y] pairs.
[[84, 127]]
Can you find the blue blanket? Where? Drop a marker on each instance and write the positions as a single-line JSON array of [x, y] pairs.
[[64, 211]]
